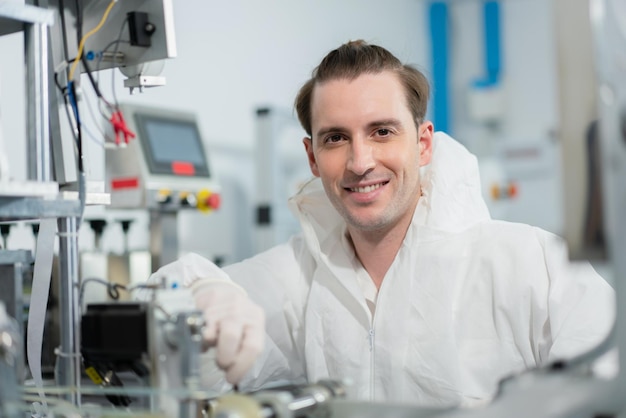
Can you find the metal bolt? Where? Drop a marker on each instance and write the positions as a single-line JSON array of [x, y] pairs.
[[195, 323], [6, 339], [149, 28], [7, 348]]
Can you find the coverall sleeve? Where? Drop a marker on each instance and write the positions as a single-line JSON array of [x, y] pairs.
[[581, 306], [279, 281]]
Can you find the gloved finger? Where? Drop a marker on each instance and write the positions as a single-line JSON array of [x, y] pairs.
[[251, 347], [240, 339], [212, 321], [215, 310], [229, 340], [217, 320], [252, 341]]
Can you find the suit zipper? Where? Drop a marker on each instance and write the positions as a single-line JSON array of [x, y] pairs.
[[371, 339]]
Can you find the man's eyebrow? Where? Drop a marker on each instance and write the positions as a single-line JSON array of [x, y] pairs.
[[327, 130], [385, 122], [396, 123]]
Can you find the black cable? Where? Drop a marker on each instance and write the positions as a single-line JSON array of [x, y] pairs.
[[58, 83], [79, 22], [115, 43], [113, 289], [90, 76], [95, 86], [69, 118], [67, 105], [95, 120], [63, 29], [80, 157], [59, 86], [106, 48], [79, 141]]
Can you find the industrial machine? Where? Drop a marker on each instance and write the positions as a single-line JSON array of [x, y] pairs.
[[57, 192], [164, 170], [156, 366]]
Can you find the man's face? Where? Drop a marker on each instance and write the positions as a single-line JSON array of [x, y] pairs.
[[367, 150]]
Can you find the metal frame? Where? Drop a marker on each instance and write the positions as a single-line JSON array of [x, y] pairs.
[[36, 203]]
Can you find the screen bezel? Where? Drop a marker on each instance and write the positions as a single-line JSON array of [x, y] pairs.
[[166, 168]]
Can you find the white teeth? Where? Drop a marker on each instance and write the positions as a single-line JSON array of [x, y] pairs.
[[365, 189]]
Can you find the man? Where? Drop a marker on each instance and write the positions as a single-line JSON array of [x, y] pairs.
[[400, 281]]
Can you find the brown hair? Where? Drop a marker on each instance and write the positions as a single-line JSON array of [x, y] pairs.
[[351, 60]]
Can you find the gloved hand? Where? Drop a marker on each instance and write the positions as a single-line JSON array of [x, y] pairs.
[[235, 326]]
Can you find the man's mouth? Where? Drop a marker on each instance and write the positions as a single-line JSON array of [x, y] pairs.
[[367, 189]]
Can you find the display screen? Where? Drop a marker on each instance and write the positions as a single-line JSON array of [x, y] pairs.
[[171, 143]]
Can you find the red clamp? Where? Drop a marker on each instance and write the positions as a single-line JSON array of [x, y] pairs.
[[119, 126]]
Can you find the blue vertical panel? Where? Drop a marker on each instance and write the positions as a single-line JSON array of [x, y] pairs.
[[491, 12], [438, 19]]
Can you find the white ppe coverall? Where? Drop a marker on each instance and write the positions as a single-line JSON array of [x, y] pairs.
[[467, 301]]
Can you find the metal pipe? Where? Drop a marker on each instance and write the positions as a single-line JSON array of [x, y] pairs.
[[163, 237], [68, 361], [37, 128], [300, 401], [189, 327]]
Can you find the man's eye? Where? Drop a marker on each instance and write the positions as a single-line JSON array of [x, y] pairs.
[[383, 132], [333, 138]]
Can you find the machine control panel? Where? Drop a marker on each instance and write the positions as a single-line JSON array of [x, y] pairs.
[[165, 168]]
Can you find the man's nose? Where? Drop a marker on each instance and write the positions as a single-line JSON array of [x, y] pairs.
[[361, 158]]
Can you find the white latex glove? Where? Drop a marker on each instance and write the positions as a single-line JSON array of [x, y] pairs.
[[235, 326]]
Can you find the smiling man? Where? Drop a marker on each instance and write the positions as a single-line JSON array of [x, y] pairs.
[[399, 281], [367, 148]]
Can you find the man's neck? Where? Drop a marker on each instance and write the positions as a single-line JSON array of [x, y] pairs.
[[377, 250]]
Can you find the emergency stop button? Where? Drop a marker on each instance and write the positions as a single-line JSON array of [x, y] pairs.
[[208, 200]]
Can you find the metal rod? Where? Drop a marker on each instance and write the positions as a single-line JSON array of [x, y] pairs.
[[113, 57], [68, 362], [37, 128], [163, 237], [189, 326]]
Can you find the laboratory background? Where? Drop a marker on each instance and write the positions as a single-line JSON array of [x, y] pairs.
[[517, 82], [238, 57]]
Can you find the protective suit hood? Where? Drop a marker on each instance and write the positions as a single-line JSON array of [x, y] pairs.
[[451, 196]]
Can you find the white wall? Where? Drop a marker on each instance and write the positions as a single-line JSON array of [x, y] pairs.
[[234, 56], [528, 127], [237, 55]]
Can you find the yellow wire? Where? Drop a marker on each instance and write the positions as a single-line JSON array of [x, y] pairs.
[[91, 32]]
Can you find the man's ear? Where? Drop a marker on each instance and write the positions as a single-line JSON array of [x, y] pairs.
[[426, 133], [308, 146]]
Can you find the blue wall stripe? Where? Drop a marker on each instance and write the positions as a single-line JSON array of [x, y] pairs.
[[491, 12], [438, 15]]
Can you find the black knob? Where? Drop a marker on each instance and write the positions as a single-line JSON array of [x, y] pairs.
[[126, 224], [35, 227], [97, 225], [5, 229]]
